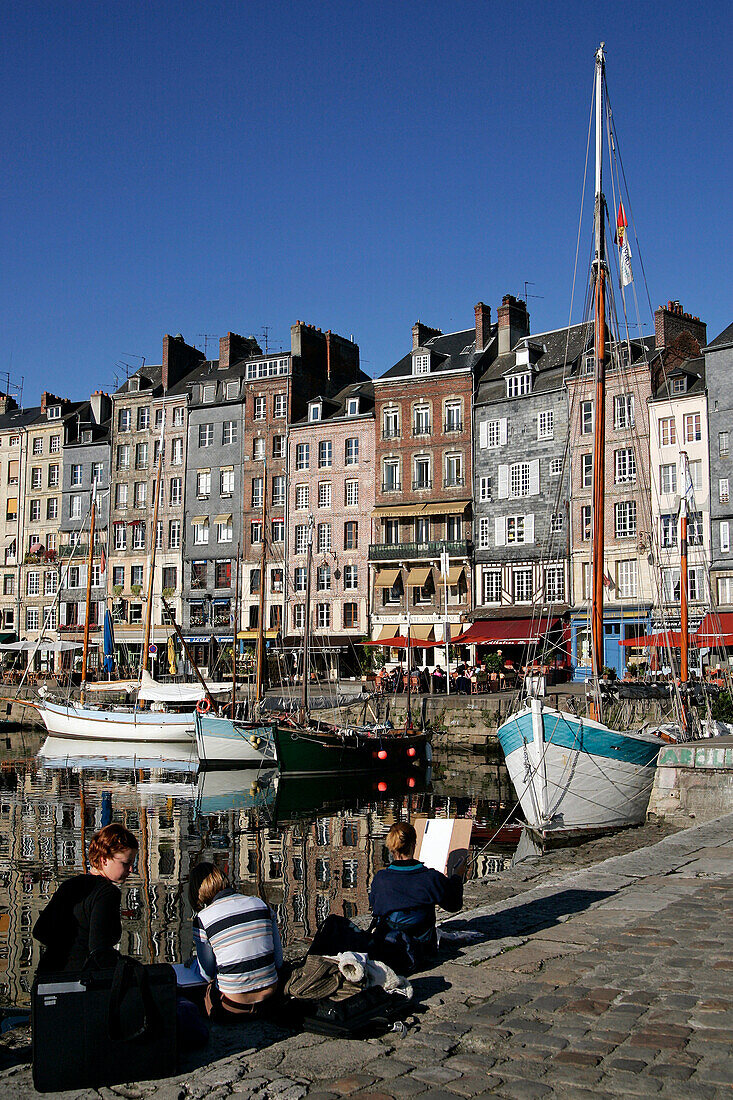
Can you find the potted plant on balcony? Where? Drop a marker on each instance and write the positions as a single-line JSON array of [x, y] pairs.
[[168, 592], [116, 589], [136, 589]]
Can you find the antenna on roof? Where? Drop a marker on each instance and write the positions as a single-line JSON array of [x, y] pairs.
[[206, 336], [12, 389], [127, 368], [527, 282], [266, 337]]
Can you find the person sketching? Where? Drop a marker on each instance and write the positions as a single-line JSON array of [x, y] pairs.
[[83, 916]]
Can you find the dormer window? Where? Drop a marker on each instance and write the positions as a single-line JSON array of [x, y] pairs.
[[588, 363], [134, 385], [53, 412], [86, 437], [231, 390], [679, 385], [208, 393], [314, 411], [518, 384], [421, 364], [352, 406], [522, 357]]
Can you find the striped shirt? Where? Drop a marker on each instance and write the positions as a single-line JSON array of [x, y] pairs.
[[237, 942]]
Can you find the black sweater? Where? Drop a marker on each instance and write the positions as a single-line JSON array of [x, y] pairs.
[[82, 916], [410, 889]]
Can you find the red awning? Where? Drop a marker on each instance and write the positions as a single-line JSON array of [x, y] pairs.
[[665, 638], [505, 632], [715, 629]]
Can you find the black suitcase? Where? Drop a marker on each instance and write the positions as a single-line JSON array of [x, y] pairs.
[[369, 1010], [103, 1026]]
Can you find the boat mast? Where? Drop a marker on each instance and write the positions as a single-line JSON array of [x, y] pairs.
[[409, 665], [307, 625], [684, 584], [236, 629], [151, 565], [260, 666], [90, 563], [599, 449]]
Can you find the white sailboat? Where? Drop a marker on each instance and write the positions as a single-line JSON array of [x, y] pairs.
[[575, 775]]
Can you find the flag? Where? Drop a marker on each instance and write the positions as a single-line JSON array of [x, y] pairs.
[[103, 562], [608, 580], [622, 240]]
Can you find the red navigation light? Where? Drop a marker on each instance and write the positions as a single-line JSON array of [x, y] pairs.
[[411, 781], [382, 754], [382, 786], [411, 751]]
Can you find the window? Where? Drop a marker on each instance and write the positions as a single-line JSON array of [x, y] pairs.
[[519, 479], [694, 529], [124, 420], [325, 454], [138, 536], [276, 580], [54, 444], [224, 529], [176, 490], [302, 497], [484, 491], [454, 416], [725, 590], [53, 476], [208, 393], [391, 531], [38, 445], [668, 478], [671, 585], [229, 432], [120, 536], [522, 585], [679, 385], [201, 533], [668, 530], [493, 433], [546, 424], [421, 364], [351, 535], [203, 484], [257, 492], [33, 584], [518, 384], [391, 475], [278, 446], [667, 432], [586, 417], [421, 420], [725, 536], [625, 519], [141, 456], [421, 478], [299, 616], [390, 424], [323, 578], [453, 471], [143, 418], [515, 529], [206, 435], [37, 477], [555, 467], [300, 578], [314, 411], [136, 575], [32, 618], [623, 411], [226, 481], [351, 451], [483, 533], [302, 456], [258, 448], [178, 416], [351, 577], [723, 444], [627, 579], [351, 616], [351, 494], [695, 469], [73, 577], [50, 582], [324, 538], [52, 508], [280, 405], [323, 615], [174, 534], [176, 452], [301, 538], [157, 452], [554, 583], [324, 494], [557, 522], [585, 521], [123, 456], [35, 511], [260, 408], [492, 586], [75, 506], [159, 414], [278, 491], [692, 428], [625, 465], [141, 494], [231, 390], [723, 493], [278, 530], [13, 472], [97, 471], [586, 470]]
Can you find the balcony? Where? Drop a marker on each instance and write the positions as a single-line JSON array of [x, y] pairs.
[[452, 427], [454, 482], [421, 429], [422, 483], [391, 433], [410, 550], [391, 486]]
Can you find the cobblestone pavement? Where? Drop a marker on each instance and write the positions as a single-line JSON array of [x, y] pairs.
[[614, 980]]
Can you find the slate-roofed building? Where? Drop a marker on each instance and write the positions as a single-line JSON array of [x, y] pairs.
[[14, 440], [331, 459], [521, 481], [423, 499], [719, 377]]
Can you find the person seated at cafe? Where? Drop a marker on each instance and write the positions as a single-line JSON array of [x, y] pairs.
[[403, 895], [238, 948], [463, 682], [438, 679], [83, 916]]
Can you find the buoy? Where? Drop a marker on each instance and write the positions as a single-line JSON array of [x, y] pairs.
[[382, 754], [411, 750], [203, 706], [254, 741], [411, 781], [382, 786]]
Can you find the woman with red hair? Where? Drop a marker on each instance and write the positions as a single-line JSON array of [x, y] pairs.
[[83, 916]]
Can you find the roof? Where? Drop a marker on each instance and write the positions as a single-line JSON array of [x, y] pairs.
[[691, 369], [449, 352], [723, 339], [555, 349], [334, 407]]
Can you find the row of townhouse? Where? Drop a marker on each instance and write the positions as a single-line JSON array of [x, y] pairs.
[[455, 488]]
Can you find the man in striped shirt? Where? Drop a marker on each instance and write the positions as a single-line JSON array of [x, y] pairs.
[[238, 949]]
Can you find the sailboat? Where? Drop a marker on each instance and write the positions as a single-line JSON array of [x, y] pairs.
[[575, 775]]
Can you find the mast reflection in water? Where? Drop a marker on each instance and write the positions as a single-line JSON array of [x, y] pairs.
[[309, 847]]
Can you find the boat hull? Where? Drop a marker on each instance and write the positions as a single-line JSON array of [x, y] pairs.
[[75, 722], [320, 752], [221, 743], [575, 777]]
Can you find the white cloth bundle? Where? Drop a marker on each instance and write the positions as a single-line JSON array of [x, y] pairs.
[[357, 967]]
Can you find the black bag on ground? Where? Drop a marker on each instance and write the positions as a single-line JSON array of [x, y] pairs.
[[367, 1010], [103, 1026]]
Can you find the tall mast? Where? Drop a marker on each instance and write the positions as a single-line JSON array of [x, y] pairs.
[[684, 584], [153, 547], [90, 563], [236, 630], [599, 408], [260, 668], [307, 624]]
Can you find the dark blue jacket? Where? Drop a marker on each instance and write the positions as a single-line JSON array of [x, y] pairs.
[[407, 892]]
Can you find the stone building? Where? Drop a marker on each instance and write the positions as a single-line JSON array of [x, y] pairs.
[[14, 440], [331, 459], [423, 499], [719, 376]]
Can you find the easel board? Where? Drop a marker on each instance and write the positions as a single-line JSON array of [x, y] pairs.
[[443, 843]]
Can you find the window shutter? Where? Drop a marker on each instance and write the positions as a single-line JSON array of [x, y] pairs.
[[534, 477], [82, 617], [503, 482], [503, 430], [483, 434], [62, 614], [500, 530], [529, 528], [725, 536]]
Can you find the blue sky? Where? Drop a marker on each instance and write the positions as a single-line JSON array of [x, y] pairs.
[[200, 167]]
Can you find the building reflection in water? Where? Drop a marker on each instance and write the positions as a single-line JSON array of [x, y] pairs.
[[308, 847]]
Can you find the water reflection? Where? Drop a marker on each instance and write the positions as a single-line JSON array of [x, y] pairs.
[[310, 847]]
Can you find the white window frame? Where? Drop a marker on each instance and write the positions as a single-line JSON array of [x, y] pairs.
[[546, 424]]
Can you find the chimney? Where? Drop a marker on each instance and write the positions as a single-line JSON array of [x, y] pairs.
[[101, 406], [178, 359], [671, 321], [234, 348], [51, 399], [483, 325], [421, 333], [7, 403], [513, 322]]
